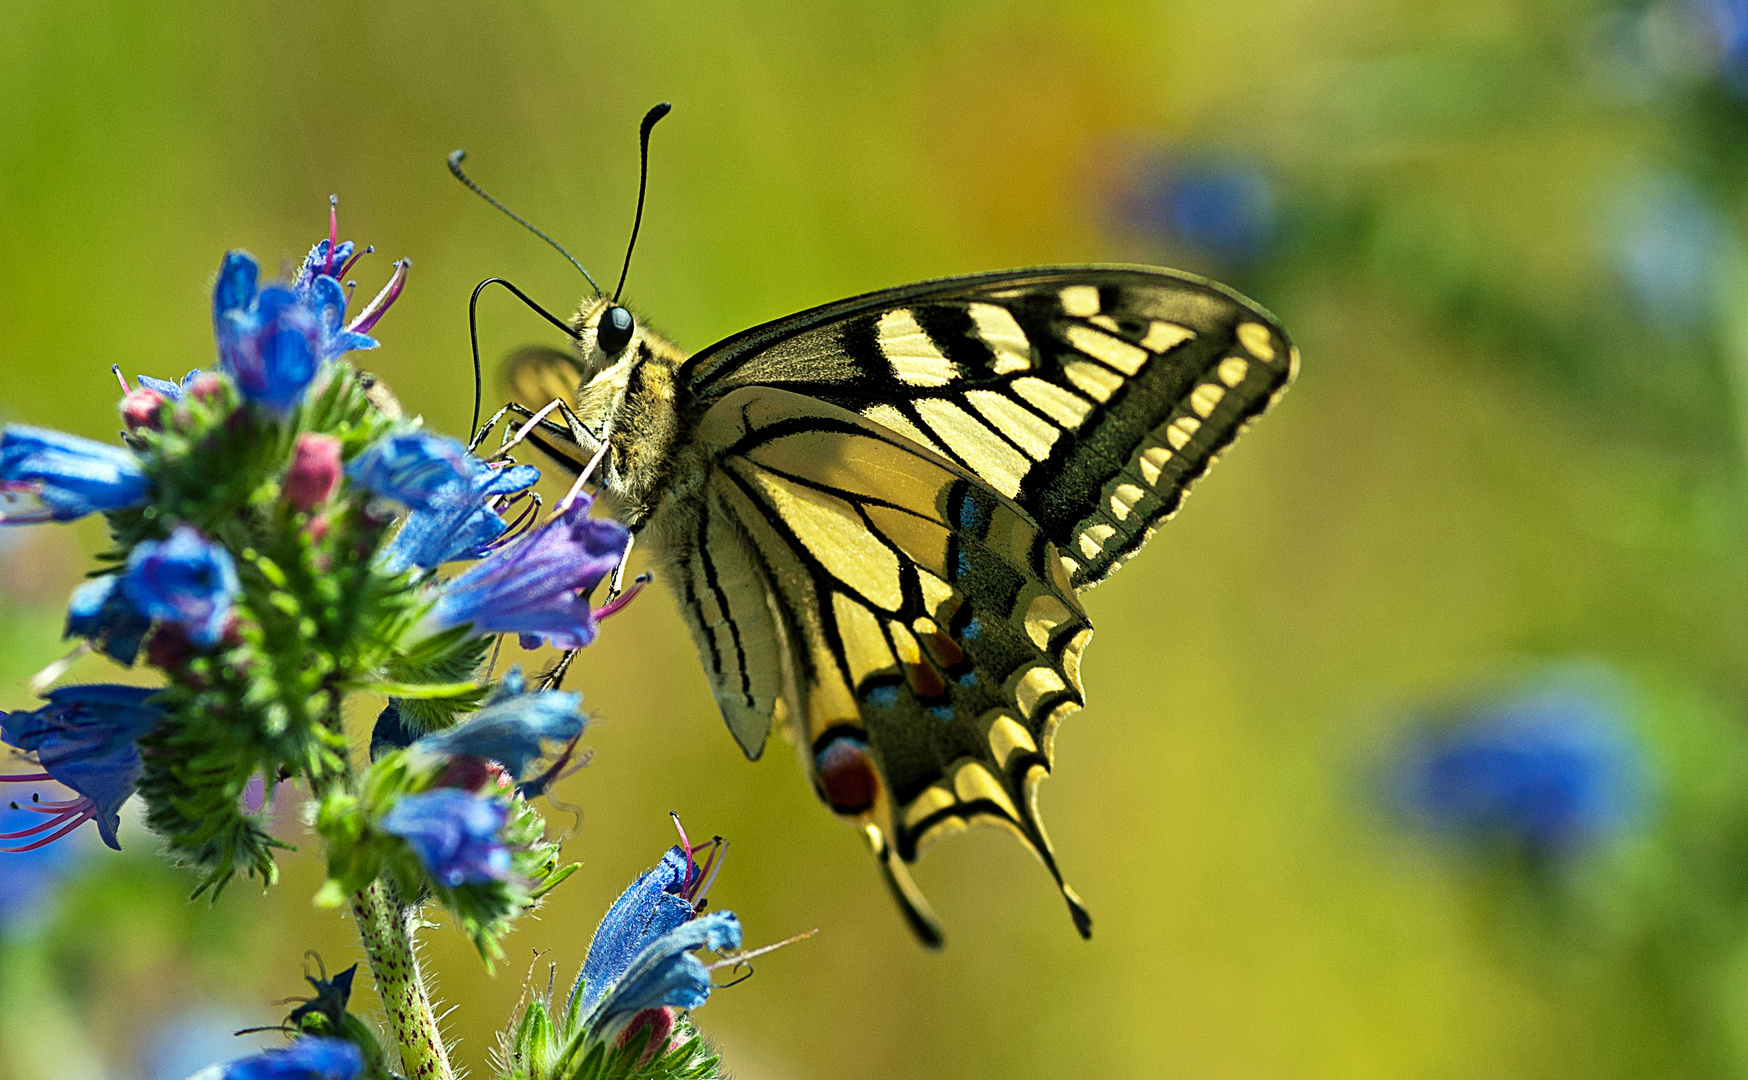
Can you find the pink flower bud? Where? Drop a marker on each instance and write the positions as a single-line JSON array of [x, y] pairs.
[[140, 408], [655, 1025], [314, 472], [207, 387]]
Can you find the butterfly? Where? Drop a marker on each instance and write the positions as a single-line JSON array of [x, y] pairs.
[[878, 515]]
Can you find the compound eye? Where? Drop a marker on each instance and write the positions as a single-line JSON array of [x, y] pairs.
[[613, 332]]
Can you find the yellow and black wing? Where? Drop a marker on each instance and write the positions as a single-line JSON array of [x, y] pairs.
[[920, 627], [1091, 396]]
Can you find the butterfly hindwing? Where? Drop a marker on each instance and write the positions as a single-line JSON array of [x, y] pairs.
[[933, 637], [1092, 396]]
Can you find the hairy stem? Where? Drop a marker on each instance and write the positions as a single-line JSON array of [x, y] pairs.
[[388, 944]]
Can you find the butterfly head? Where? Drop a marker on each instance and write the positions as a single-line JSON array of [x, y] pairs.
[[606, 333]]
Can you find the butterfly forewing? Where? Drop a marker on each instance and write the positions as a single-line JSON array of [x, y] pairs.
[[935, 629], [1093, 397]]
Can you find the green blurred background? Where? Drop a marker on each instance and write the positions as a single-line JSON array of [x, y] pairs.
[[1504, 235]]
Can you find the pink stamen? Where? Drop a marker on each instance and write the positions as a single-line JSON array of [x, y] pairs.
[[617, 604], [712, 866], [346, 267], [383, 300], [685, 842], [120, 378], [27, 777], [71, 825], [50, 808], [333, 232], [58, 819], [524, 518]]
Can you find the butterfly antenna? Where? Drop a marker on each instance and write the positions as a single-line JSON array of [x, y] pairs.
[[649, 123], [473, 311], [455, 160]]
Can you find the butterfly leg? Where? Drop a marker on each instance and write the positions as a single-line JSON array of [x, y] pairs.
[[553, 677], [615, 585]]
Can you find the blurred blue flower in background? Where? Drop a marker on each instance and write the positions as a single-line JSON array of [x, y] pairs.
[[309, 1058], [1725, 24], [193, 1038], [1223, 208], [1547, 770], [1673, 248]]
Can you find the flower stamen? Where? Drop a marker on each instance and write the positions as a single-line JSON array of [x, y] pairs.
[[333, 232], [380, 304]]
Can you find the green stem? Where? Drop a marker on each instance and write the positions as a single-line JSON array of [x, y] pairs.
[[387, 929]]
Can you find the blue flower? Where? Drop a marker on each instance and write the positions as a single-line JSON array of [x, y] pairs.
[[449, 490], [50, 476], [665, 974], [1225, 209], [457, 836], [167, 388], [413, 467], [1547, 770], [309, 1058], [84, 738], [187, 580], [269, 340], [654, 905], [538, 585], [1725, 22], [512, 729], [1673, 249], [101, 611]]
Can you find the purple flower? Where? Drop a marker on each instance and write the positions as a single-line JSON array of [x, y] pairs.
[[83, 738], [309, 1058], [538, 585], [1547, 770], [512, 729], [49, 476], [101, 611], [456, 835], [450, 492], [187, 580]]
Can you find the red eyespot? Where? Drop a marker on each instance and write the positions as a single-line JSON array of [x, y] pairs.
[[846, 775]]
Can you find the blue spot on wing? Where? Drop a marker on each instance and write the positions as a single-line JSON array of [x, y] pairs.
[[882, 697], [973, 629], [971, 516], [943, 713]]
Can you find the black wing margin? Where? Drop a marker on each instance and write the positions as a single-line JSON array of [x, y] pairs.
[[1093, 397]]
